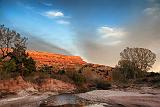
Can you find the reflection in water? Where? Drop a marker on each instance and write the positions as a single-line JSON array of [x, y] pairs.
[[65, 105], [68, 100], [64, 100]]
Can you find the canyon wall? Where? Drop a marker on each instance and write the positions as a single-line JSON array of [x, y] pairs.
[[58, 61]]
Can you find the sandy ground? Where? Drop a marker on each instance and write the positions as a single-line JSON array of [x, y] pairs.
[[125, 99]]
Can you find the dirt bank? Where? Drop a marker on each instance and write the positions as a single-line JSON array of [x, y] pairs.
[[48, 84]]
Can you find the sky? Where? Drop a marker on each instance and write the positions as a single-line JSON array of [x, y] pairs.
[[96, 30]]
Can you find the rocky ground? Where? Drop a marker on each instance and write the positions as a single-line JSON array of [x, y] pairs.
[[127, 98], [20, 101], [144, 97], [18, 91]]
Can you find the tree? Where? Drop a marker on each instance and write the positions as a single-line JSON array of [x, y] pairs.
[[29, 66], [141, 58], [13, 45], [126, 70], [11, 41], [6, 39]]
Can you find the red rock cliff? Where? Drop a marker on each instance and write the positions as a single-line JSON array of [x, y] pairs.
[[58, 61]]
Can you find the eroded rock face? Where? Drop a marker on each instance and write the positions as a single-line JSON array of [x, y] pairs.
[[58, 61], [56, 86], [64, 62], [13, 85], [104, 72], [18, 84]]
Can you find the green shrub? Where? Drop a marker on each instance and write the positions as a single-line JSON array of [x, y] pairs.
[[8, 69], [101, 84], [64, 77], [152, 74], [7, 75], [150, 81], [125, 71], [29, 66], [45, 71], [9, 66], [45, 68], [78, 78], [4, 75], [39, 80], [61, 72]]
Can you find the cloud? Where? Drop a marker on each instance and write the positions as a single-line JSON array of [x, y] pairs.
[[145, 32], [29, 7], [25, 5], [47, 4], [110, 35], [38, 44], [114, 42], [64, 22], [106, 32], [105, 45], [53, 14], [152, 11]]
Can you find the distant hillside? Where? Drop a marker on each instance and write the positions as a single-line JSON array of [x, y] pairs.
[[66, 62], [58, 61]]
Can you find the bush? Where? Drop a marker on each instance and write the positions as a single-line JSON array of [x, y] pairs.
[[64, 78], [101, 84], [29, 66], [5, 75], [46, 69], [38, 81], [61, 72], [8, 69], [140, 57], [153, 74], [153, 81], [78, 78], [9, 66], [125, 71]]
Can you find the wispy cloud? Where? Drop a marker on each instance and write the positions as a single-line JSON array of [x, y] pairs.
[[64, 22], [112, 43], [152, 11], [47, 4], [106, 32], [53, 14], [27, 6]]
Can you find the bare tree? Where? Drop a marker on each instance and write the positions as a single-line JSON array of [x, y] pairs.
[[9, 39], [6, 39], [19, 45], [14, 46], [141, 57]]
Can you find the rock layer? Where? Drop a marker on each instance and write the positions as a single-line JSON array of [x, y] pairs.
[[48, 84], [58, 61]]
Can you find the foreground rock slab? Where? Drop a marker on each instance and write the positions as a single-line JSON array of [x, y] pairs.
[[128, 99], [25, 101]]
